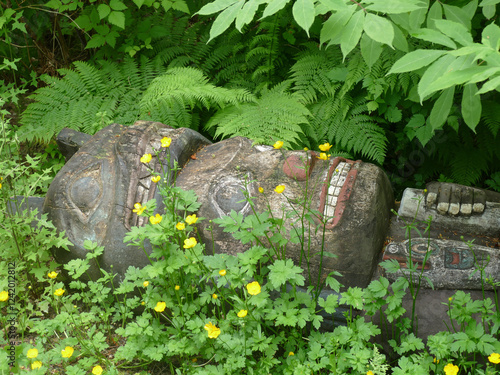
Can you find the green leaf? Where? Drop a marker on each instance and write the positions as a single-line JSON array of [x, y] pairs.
[[96, 41], [458, 15], [489, 11], [434, 36], [370, 50], [117, 18], [441, 110], [334, 5], [274, 6], [471, 106], [333, 27], [352, 33], [224, 20], [84, 22], [379, 29], [282, 272], [492, 84], [245, 16], [216, 6], [54, 4], [117, 5], [433, 72], [454, 30], [485, 3], [303, 13], [138, 3], [417, 18], [103, 10], [415, 60], [180, 5], [166, 4], [400, 40], [395, 6], [491, 36]]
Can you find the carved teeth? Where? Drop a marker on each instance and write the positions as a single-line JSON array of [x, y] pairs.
[[336, 182]]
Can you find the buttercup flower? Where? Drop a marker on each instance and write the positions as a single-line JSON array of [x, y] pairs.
[[213, 331], [36, 364], [278, 145], [155, 219], [450, 369], [160, 306], [222, 272], [52, 274], [191, 219], [145, 283], [138, 209], [59, 292], [177, 287], [97, 370], [143, 303], [32, 353], [291, 353], [156, 178], [67, 352], [190, 242], [325, 147], [146, 158], [306, 149], [214, 296], [494, 358], [369, 373], [261, 189], [323, 156], [436, 361], [242, 313], [165, 142], [253, 288], [279, 189], [4, 296], [180, 226]]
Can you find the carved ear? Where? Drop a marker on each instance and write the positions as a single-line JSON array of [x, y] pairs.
[[69, 141]]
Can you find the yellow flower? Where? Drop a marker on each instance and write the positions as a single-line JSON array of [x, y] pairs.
[[59, 292], [450, 299], [253, 288], [177, 287], [306, 149], [145, 283], [323, 156], [160, 306], [214, 296], [242, 313], [97, 370], [291, 353], [279, 189], [146, 158], [369, 373], [155, 219], [180, 226], [165, 142], [213, 331], [156, 178], [4, 296], [143, 303], [190, 242], [32, 353], [450, 369], [222, 272], [191, 219], [52, 274], [494, 358], [36, 364], [436, 361], [67, 352], [325, 147], [138, 208], [278, 145], [261, 189]]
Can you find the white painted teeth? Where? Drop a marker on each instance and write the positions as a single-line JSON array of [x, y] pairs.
[[338, 179]]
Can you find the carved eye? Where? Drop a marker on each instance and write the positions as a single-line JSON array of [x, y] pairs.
[[227, 194], [86, 191]]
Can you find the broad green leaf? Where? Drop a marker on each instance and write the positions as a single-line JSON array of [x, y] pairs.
[[334, 5], [117, 18], [303, 13], [166, 4], [458, 15], [138, 3], [415, 123], [245, 16], [454, 30], [435, 13], [399, 39], [492, 84], [84, 22], [415, 60], [274, 6], [370, 50], [216, 6], [103, 10], [478, 50], [433, 72], [434, 36], [401, 19], [379, 29], [395, 6], [441, 110], [489, 11], [485, 3], [117, 5], [417, 18], [181, 6], [491, 36], [54, 4], [424, 134], [471, 106], [454, 77], [96, 41], [224, 20], [470, 8], [485, 74], [335, 24], [352, 33]]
